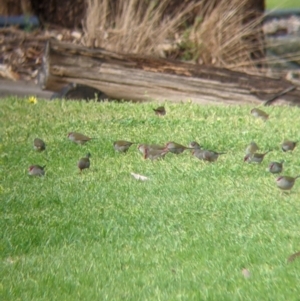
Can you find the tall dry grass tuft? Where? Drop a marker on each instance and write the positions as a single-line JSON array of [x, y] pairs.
[[224, 38], [225, 33], [133, 26]]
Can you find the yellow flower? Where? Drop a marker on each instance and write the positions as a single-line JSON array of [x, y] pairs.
[[32, 99]]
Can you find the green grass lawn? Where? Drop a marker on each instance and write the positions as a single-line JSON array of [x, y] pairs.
[[282, 4], [185, 234]]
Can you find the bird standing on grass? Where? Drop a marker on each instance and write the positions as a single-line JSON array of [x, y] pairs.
[[251, 148], [122, 146], [194, 146], [198, 153], [79, 138], [142, 147], [39, 145], [154, 154], [175, 148], [206, 155], [288, 145], [259, 114], [160, 111], [293, 256], [84, 162], [255, 158], [275, 167], [36, 170], [285, 182], [211, 156]]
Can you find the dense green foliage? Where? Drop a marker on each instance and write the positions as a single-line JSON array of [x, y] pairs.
[[185, 234]]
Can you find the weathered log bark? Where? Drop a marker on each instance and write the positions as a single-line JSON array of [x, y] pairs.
[[139, 78]]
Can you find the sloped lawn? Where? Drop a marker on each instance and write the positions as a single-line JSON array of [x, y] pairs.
[[185, 234]]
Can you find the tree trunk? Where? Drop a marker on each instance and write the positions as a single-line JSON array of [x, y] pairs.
[[140, 78]]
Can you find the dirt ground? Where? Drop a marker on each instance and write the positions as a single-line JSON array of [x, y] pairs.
[[22, 89]]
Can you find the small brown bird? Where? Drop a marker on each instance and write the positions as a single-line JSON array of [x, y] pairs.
[[198, 153], [259, 114], [286, 183], [203, 154], [255, 158], [122, 146], [84, 162], [154, 154], [39, 145], [160, 111], [141, 147], [206, 155], [36, 170], [275, 167], [79, 138], [288, 145], [293, 256], [252, 148], [211, 156], [194, 145], [176, 148]]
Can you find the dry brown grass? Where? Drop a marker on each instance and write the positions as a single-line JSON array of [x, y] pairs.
[[226, 34], [225, 39], [231, 36], [133, 26], [222, 38]]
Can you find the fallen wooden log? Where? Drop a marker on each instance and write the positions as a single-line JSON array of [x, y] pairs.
[[141, 78]]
